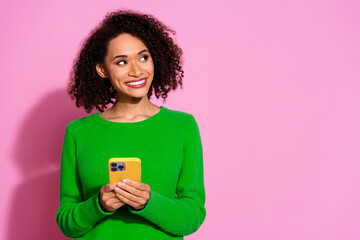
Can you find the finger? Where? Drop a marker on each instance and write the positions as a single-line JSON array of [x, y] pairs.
[[108, 195], [120, 204], [135, 184], [109, 187], [128, 195], [116, 200], [111, 196], [130, 202], [114, 203], [130, 189]]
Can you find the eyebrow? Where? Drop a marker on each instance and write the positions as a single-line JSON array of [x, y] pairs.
[[126, 55]]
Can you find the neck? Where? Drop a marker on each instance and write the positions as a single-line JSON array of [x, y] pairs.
[[135, 107]]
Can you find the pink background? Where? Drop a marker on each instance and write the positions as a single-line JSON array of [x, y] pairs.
[[274, 86]]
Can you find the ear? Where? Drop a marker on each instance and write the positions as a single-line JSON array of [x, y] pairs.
[[100, 70]]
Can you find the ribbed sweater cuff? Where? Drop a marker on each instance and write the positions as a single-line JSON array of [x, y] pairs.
[[154, 205]]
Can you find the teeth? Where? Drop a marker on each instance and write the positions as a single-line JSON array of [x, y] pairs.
[[136, 83]]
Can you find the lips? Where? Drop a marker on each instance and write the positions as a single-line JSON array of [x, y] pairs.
[[139, 83], [136, 80]]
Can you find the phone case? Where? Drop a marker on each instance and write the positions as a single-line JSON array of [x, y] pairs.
[[124, 168]]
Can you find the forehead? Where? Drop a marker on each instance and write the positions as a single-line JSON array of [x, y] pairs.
[[125, 44]]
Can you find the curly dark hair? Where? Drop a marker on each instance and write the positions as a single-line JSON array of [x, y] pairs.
[[92, 91]]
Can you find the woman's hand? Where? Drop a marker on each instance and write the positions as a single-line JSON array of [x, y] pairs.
[[134, 193], [108, 199]]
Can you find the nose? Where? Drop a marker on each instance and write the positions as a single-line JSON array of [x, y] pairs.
[[134, 70]]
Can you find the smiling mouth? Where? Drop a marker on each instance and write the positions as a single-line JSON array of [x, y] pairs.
[[137, 83]]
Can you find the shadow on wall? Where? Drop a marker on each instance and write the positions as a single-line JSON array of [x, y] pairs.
[[37, 154]]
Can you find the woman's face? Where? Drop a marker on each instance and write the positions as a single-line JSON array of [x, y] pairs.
[[128, 59]]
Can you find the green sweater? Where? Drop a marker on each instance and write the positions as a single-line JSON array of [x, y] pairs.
[[169, 146]]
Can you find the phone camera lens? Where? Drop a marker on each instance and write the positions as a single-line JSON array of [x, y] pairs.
[[121, 166], [113, 164], [113, 169]]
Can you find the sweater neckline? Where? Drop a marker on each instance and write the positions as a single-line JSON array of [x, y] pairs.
[[112, 123]]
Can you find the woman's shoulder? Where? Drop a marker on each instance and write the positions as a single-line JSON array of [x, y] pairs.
[[82, 122], [181, 119], [179, 115]]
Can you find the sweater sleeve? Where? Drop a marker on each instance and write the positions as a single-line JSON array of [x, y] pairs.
[[75, 217], [184, 214]]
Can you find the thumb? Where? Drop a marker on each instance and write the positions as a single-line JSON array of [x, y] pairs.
[[109, 187]]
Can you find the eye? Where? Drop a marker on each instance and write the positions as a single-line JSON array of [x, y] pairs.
[[145, 56], [121, 62]]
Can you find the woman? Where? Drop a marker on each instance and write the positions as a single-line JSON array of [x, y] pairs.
[[128, 57]]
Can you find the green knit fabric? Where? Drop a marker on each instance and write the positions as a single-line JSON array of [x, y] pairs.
[[169, 146]]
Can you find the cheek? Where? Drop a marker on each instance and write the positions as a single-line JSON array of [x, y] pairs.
[[117, 74], [149, 66], [150, 69]]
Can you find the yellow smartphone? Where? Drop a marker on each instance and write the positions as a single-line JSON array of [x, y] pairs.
[[124, 168]]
